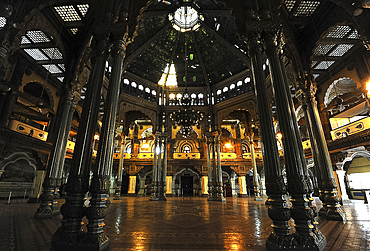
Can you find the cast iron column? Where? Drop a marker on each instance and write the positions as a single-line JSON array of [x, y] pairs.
[[219, 193], [69, 235], [299, 185], [117, 194], [209, 166], [278, 210], [155, 193], [56, 161], [331, 209], [164, 169], [159, 166], [257, 193], [100, 184]]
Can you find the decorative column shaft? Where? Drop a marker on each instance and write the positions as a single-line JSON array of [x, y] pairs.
[[331, 209], [299, 185], [219, 193], [11, 96], [209, 166], [278, 210], [56, 161], [257, 193], [78, 180], [164, 170], [100, 184], [155, 192], [117, 195]]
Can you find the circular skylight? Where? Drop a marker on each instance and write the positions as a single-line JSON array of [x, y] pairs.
[[185, 19]]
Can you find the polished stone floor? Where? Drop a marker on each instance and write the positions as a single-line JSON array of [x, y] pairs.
[[188, 223]]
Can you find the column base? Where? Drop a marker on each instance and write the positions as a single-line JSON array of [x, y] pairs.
[[44, 213], [281, 242], [315, 242], [335, 215], [258, 199], [63, 240]]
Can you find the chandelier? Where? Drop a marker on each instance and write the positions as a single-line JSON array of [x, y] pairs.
[[186, 117]]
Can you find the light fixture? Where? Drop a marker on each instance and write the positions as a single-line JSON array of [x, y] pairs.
[[185, 19], [228, 145], [279, 135], [96, 137], [186, 117], [368, 89]]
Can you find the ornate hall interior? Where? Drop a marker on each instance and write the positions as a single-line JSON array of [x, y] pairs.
[[184, 125]]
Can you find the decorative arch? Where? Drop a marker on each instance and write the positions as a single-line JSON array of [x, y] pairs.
[[127, 107], [248, 106], [39, 90], [339, 87], [183, 143]]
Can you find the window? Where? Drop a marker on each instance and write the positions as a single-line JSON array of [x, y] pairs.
[[186, 149]]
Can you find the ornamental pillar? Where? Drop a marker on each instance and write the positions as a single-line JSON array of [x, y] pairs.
[[78, 181], [219, 194], [209, 166], [55, 165], [299, 185], [99, 188], [117, 194], [155, 192], [279, 211], [256, 183], [328, 190], [162, 195], [10, 97]]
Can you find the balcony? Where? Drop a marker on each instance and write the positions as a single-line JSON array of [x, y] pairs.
[[28, 130], [351, 128]]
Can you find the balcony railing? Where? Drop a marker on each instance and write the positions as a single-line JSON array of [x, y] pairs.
[[186, 155], [28, 130], [352, 128]]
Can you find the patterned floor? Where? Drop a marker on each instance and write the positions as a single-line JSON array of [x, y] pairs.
[[187, 223]]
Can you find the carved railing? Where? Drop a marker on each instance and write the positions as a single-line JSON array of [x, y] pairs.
[[350, 129], [28, 130]]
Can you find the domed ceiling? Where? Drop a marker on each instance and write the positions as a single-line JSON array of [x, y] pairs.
[[213, 49]]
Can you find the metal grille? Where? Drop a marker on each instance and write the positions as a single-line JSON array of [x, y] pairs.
[[322, 49], [67, 13], [2, 22], [323, 65], [340, 50], [83, 8], [339, 32], [289, 4], [36, 54], [306, 8], [74, 31], [37, 36], [52, 68], [53, 53]]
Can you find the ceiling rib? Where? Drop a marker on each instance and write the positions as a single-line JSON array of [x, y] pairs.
[[139, 50], [228, 45], [202, 65]]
